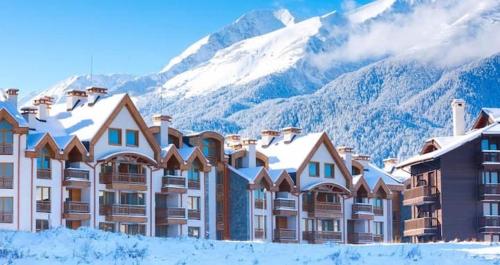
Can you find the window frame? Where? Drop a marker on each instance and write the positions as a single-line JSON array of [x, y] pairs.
[[194, 228], [317, 168], [136, 135], [119, 130], [39, 225], [43, 190], [332, 170]]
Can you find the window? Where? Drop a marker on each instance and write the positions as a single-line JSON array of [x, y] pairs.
[[379, 228], [260, 222], [313, 169], [6, 138], [193, 203], [489, 144], [42, 224], [194, 172], [336, 225], [490, 177], [329, 171], [377, 202], [133, 229], [6, 209], [109, 227], [43, 159], [362, 200], [130, 198], [491, 208], [6, 175], [260, 198], [43, 194], [326, 225], [132, 138], [209, 148], [114, 136], [193, 232], [328, 197]]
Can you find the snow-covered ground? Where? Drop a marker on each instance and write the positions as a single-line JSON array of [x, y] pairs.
[[87, 246]]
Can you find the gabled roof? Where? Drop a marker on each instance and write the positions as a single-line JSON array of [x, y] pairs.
[[189, 154], [372, 174], [12, 111], [293, 156]]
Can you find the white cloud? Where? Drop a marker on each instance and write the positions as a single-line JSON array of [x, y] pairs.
[[446, 32]]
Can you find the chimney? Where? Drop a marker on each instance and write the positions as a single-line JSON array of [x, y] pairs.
[[268, 136], [390, 163], [43, 105], [289, 133], [29, 114], [95, 93], [233, 140], [250, 159], [12, 96], [164, 122], [362, 157], [458, 108], [74, 97], [346, 153]]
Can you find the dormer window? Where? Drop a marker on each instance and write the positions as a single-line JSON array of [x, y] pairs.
[[132, 137], [114, 136]]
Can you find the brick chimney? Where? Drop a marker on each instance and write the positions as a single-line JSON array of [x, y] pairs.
[[95, 93], [12, 96], [346, 153], [43, 104], [268, 136], [289, 133], [250, 159], [164, 122], [390, 163], [233, 141], [458, 111], [74, 97]]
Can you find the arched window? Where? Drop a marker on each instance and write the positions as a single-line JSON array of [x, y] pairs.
[[43, 159], [6, 138], [210, 149]]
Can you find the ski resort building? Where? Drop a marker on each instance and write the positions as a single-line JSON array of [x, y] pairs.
[[454, 190], [290, 187], [93, 161]]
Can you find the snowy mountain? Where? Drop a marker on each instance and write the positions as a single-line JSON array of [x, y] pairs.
[[379, 78]]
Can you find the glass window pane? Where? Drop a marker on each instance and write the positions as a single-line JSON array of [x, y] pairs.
[[132, 138], [485, 144], [114, 136]]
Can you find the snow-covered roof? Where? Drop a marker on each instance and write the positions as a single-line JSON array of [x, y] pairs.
[[451, 143], [186, 152], [289, 156], [275, 174], [249, 173], [12, 110], [372, 174], [83, 121], [494, 113], [319, 182]]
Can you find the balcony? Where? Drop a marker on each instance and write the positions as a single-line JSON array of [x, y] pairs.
[[378, 211], [322, 236], [74, 210], [420, 195], [173, 184], [378, 238], [362, 211], [6, 182], [489, 224], [489, 192], [124, 213], [170, 216], [43, 206], [124, 181], [421, 226], [43, 173], [193, 185], [6, 217], [75, 177], [259, 234], [285, 235], [194, 214], [6, 149], [491, 156], [360, 238], [284, 207], [323, 209]]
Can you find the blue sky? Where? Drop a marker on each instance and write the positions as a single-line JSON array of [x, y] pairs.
[[43, 42]]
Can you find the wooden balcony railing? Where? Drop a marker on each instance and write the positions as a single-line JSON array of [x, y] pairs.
[[259, 233], [173, 181], [193, 184], [489, 189], [6, 149], [260, 204], [360, 238], [194, 214], [491, 221], [76, 174], [125, 178], [491, 156], [285, 234], [378, 210], [322, 209], [43, 173], [43, 206], [281, 203], [322, 236], [378, 238], [76, 207], [361, 207], [171, 212], [421, 223], [124, 209], [420, 195], [6, 217], [6, 182]]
